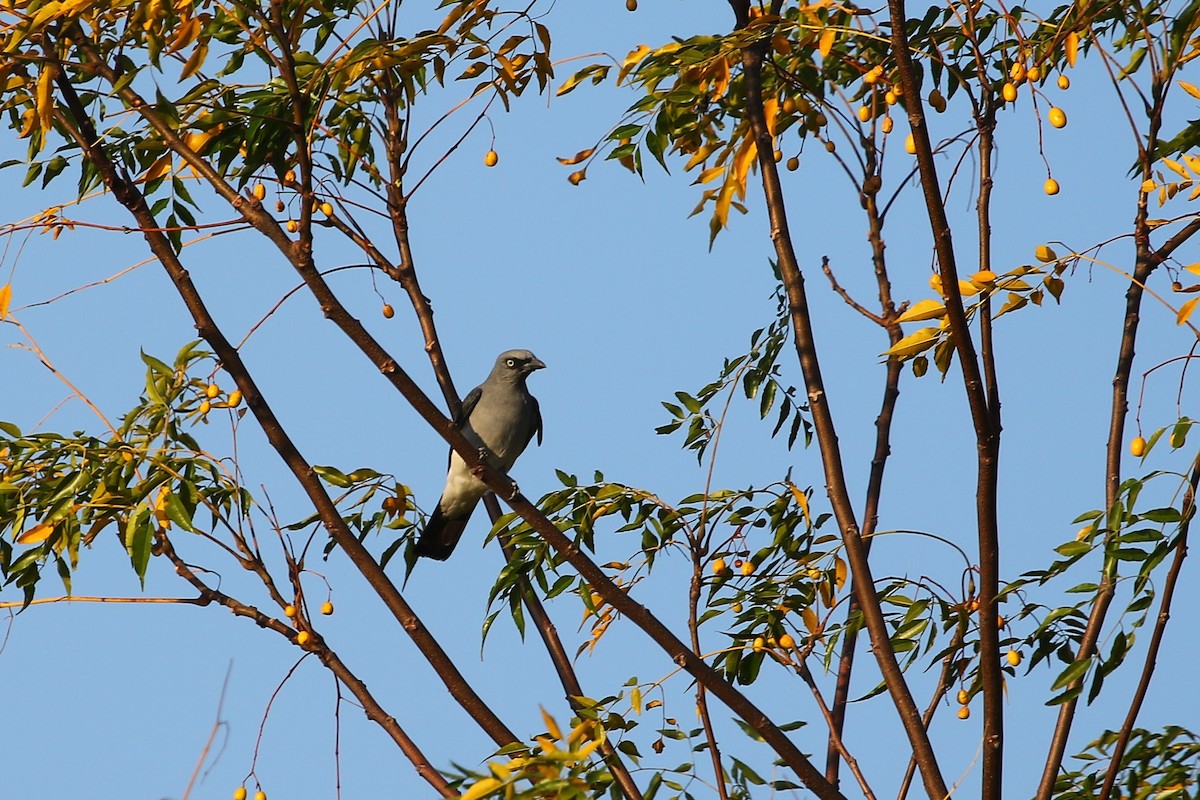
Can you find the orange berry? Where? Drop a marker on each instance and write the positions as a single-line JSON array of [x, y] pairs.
[[239, 793], [211, 391], [491, 158], [327, 608], [963, 697], [235, 398], [301, 639], [289, 176], [747, 568], [289, 611], [205, 407], [1008, 92], [1057, 117], [1013, 657], [1051, 187], [1137, 447], [260, 191], [388, 311], [260, 795], [719, 567], [787, 642], [1064, 82], [292, 226], [964, 712]]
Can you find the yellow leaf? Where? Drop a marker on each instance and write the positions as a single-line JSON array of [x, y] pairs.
[[839, 573], [5, 299], [1072, 48], [45, 98], [195, 61], [480, 788], [802, 501], [720, 77], [741, 164], [925, 309], [1190, 89], [967, 289], [1177, 168], [810, 620], [771, 112], [825, 45], [1193, 268], [588, 749], [1186, 310], [159, 168], [580, 156], [635, 700], [551, 725], [38, 533], [914, 343], [710, 173]]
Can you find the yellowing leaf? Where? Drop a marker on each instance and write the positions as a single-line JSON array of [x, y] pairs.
[[195, 61], [1072, 48], [771, 112], [635, 700], [38, 533], [810, 620], [1045, 254], [481, 788], [551, 725], [1186, 310], [159, 168], [710, 173], [825, 45], [5, 299], [967, 289], [580, 156], [1190, 89], [802, 501], [925, 309], [913, 344], [45, 98], [839, 571], [1193, 268], [1177, 168]]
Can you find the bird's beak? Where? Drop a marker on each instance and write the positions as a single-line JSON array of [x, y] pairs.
[[535, 363]]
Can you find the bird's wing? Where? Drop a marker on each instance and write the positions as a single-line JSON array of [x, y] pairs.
[[536, 427], [468, 405]]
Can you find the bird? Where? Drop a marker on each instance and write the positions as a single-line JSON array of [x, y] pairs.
[[500, 417]]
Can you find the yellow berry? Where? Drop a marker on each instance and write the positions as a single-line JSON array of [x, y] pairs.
[[793, 164], [1017, 73], [289, 176], [388, 311], [1034, 74], [864, 113], [327, 209], [964, 712], [126, 455], [718, 567], [301, 639], [887, 124], [1051, 187], [260, 191], [1008, 92], [1064, 82], [1057, 117], [778, 156], [787, 642], [235, 398], [736, 608], [890, 97], [747, 568], [1013, 657], [260, 795], [205, 407], [759, 644], [292, 227], [910, 145], [491, 158], [963, 697], [239, 793], [327, 608], [289, 611], [789, 105], [1137, 447], [211, 391]]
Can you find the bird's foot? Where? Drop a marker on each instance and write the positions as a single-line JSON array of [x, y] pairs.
[[484, 458], [513, 490]]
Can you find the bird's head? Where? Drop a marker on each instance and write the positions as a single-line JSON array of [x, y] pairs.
[[517, 364]]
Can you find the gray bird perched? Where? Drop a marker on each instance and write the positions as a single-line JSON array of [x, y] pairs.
[[500, 416]]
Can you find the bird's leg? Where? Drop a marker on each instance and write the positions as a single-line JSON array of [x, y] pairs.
[[513, 490], [484, 458]]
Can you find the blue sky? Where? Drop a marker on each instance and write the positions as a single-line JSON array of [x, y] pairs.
[[617, 291]]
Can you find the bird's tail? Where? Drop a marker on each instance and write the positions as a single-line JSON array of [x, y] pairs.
[[441, 534]]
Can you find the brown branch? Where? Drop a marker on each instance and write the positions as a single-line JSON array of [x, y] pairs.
[[710, 737], [883, 448], [934, 702], [1160, 626], [793, 279], [985, 415], [1146, 261], [129, 196], [371, 707]]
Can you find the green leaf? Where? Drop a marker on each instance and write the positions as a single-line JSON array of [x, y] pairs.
[[178, 513], [139, 536], [333, 476]]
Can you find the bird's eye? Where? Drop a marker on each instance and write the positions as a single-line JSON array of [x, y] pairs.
[[512, 362]]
